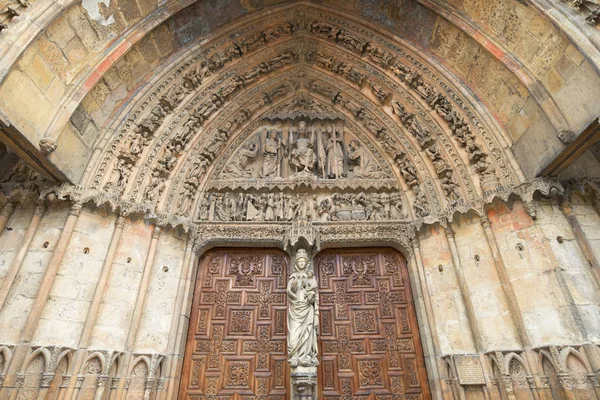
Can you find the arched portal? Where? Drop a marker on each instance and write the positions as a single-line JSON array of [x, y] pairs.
[[175, 127]]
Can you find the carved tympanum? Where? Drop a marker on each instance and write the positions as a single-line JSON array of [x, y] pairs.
[[304, 148]]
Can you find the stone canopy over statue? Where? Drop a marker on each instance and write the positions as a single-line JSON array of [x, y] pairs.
[[302, 149]]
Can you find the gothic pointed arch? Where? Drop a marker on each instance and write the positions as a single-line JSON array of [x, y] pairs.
[[424, 139]]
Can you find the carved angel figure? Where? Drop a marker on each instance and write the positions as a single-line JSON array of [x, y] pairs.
[[360, 161], [303, 314], [240, 167]]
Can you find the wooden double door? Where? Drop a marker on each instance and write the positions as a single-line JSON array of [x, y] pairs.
[[369, 345]]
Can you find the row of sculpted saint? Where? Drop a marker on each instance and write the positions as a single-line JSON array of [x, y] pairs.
[[303, 314]]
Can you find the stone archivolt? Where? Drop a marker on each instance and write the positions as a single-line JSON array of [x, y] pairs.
[[201, 126]]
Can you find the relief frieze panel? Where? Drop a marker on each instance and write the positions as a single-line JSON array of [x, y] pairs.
[[288, 206], [305, 150]]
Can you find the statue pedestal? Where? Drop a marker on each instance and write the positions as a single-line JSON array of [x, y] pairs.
[[304, 383]]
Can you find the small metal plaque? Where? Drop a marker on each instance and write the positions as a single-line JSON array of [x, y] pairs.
[[469, 370]]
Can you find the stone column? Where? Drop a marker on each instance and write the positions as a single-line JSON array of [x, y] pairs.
[[16, 263], [50, 275], [174, 357], [138, 309], [511, 298], [92, 315], [5, 215], [21, 349], [513, 304], [584, 244], [101, 387], [429, 330], [464, 290]]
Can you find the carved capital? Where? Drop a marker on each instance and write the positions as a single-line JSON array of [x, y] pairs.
[[156, 233], [40, 209], [76, 209], [485, 222], [120, 223], [20, 378], [449, 232], [46, 380], [565, 381], [114, 382], [79, 382], [530, 208], [150, 383], [65, 380], [102, 380]]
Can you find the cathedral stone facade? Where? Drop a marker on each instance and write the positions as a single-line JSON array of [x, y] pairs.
[[269, 200]]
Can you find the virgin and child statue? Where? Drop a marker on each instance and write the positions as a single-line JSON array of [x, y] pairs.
[[303, 314]]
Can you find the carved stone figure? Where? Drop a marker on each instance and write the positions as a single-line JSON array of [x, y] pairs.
[[240, 167], [186, 199], [396, 206], [303, 155], [420, 205], [155, 188], [360, 161], [272, 155], [303, 314], [335, 155], [119, 176], [204, 210]]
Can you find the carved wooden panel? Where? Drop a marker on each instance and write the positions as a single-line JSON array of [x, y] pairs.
[[370, 345], [236, 340]]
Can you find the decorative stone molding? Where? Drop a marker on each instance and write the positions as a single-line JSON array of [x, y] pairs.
[[11, 10], [161, 157], [589, 8]]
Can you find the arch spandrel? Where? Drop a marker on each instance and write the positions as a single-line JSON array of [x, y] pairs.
[[441, 153]]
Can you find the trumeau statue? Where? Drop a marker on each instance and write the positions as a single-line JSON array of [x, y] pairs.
[[303, 314]]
